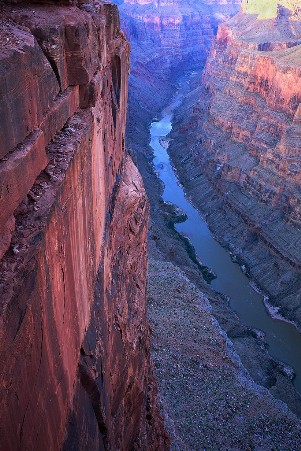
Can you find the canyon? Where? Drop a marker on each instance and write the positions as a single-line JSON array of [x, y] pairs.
[[165, 36]]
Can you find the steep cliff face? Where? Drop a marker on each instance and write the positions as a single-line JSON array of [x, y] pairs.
[[184, 30], [268, 9], [247, 143], [75, 365]]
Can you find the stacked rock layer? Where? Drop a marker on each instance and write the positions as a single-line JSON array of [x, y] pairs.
[[246, 141], [75, 365]]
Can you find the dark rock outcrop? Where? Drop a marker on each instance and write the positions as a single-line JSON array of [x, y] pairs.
[[75, 364]]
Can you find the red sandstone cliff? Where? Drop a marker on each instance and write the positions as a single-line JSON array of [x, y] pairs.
[[75, 365], [255, 81], [246, 140]]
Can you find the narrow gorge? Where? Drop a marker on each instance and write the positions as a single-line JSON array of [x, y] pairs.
[[144, 168], [224, 125]]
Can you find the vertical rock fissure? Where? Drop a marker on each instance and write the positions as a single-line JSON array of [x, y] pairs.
[[64, 288], [91, 387]]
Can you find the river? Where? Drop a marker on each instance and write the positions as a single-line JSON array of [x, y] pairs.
[[282, 337]]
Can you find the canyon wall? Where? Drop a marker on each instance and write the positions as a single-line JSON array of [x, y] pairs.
[[75, 365], [167, 38], [245, 144]]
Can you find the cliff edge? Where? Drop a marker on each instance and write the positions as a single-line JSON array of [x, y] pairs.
[[75, 365]]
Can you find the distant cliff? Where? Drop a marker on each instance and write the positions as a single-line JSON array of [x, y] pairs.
[[246, 142], [269, 9], [167, 37], [75, 365]]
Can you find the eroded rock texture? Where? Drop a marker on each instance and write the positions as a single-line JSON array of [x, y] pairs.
[[270, 8], [75, 364], [246, 141]]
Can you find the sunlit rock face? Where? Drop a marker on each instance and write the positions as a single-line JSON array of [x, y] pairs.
[[268, 9], [254, 68], [75, 365], [167, 37]]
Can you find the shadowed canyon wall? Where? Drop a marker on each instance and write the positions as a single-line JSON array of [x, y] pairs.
[[167, 38], [75, 366], [246, 142]]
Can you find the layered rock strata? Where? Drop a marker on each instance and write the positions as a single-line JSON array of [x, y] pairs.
[[246, 142], [167, 38], [75, 366]]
